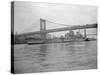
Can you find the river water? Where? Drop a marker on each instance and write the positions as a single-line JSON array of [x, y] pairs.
[[55, 57]]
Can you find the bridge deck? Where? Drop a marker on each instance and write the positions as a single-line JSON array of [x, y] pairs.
[[61, 29]]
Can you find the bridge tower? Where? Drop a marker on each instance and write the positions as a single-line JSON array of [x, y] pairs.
[[43, 28]]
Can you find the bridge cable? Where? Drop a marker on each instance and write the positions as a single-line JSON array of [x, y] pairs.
[[58, 23], [31, 26]]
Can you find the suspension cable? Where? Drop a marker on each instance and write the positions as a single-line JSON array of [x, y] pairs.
[[58, 23], [31, 26]]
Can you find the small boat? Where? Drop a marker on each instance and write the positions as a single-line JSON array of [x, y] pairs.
[[89, 39]]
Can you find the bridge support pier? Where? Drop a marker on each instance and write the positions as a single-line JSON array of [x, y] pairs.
[[85, 34]]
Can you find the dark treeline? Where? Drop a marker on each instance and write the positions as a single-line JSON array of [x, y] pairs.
[[18, 40], [23, 40]]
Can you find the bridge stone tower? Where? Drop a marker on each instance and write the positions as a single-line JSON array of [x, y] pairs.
[[43, 28]]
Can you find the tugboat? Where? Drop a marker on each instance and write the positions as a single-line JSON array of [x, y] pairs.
[[87, 39], [90, 39]]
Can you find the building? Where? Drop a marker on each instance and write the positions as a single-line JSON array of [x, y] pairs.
[[70, 35]]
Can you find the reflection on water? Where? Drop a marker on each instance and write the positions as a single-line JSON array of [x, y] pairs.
[[55, 57], [43, 53]]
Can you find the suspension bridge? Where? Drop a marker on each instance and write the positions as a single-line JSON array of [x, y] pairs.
[[43, 31]]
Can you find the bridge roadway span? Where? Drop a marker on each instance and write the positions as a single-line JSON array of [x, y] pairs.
[[60, 29]]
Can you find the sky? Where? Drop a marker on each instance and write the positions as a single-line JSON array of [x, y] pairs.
[[27, 16]]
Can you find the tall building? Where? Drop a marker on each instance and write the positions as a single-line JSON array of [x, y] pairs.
[[70, 35]]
